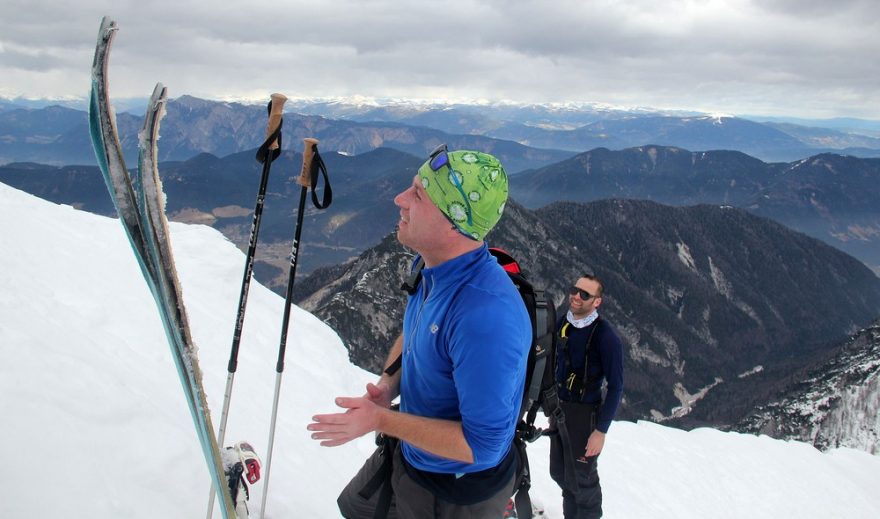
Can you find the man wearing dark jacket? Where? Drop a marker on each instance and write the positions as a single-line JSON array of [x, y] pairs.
[[589, 352]]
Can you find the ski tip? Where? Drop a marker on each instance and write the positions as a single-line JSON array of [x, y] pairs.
[[108, 26], [160, 94], [102, 49], [155, 111]]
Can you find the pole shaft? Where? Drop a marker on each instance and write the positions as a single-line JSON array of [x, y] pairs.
[[288, 299], [311, 148], [276, 107], [278, 376]]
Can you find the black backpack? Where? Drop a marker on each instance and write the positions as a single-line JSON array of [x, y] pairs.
[[540, 385]]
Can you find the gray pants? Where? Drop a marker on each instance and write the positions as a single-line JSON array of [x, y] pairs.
[[411, 500]]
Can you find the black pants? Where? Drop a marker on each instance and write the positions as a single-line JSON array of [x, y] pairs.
[[411, 500], [584, 501]]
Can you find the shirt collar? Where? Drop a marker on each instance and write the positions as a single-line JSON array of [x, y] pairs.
[[458, 268], [584, 322]]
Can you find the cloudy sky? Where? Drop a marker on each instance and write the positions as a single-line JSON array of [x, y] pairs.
[[806, 58]]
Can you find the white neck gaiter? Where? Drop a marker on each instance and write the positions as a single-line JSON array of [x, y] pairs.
[[582, 323]]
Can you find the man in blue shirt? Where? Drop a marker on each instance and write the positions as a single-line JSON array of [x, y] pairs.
[[588, 352], [464, 346]]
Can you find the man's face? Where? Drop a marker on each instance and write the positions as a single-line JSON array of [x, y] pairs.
[[581, 307], [421, 222]]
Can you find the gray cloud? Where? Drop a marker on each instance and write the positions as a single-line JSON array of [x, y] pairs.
[[782, 57]]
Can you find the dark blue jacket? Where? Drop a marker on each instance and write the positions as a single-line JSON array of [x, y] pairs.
[[605, 362]]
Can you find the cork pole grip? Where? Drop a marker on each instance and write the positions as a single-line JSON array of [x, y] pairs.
[[278, 101], [310, 145]]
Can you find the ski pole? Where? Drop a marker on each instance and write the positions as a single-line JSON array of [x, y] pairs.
[[266, 154], [312, 164]]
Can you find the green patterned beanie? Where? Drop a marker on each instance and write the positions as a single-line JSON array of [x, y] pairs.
[[474, 198]]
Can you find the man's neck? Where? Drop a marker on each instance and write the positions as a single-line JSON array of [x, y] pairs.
[[449, 251]]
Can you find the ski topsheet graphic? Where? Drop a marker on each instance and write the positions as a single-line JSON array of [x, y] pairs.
[[141, 207]]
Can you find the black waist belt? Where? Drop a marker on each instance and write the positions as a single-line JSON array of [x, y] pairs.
[[470, 488]]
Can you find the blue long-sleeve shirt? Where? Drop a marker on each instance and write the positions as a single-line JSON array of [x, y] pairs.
[[605, 362], [466, 337]]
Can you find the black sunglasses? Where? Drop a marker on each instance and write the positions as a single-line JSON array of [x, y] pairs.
[[584, 295], [439, 158]]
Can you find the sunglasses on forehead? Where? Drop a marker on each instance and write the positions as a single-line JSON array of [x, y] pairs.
[[440, 158], [584, 295]]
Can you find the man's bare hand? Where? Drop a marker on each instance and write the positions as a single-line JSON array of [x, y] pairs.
[[595, 443], [361, 417]]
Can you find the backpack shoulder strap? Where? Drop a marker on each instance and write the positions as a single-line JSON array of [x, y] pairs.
[[394, 367], [563, 332], [411, 283], [543, 347]]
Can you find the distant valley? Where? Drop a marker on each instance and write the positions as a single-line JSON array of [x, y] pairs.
[[830, 197]]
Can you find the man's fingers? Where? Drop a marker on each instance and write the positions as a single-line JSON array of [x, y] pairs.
[[329, 435], [335, 418], [332, 439], [326, 427], [373, 390], [339, 428], [335, 443]]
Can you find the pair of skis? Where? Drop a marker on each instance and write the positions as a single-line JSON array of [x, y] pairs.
[[140, 203]]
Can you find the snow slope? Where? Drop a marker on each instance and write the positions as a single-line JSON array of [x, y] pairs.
[[94, 423]]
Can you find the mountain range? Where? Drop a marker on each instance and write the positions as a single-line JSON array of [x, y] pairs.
[[830, 197], [59, 136], [716, 303], [700, 295], [222, 193], [523, 137], [586, 126]]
